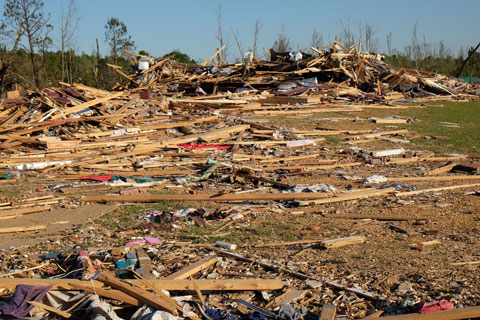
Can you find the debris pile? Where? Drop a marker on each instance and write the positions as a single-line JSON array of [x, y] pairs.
[[251, 204]]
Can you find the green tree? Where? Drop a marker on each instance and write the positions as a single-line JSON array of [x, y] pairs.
[[181, 57], [116, 34], [27, 17]]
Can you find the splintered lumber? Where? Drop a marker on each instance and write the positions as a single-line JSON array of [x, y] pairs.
[[461, 313], [207, 136], [212, 101], [384, 218], [288, 243], [50, 309], [444, 169], [287, 297], [437, 178], [342, 242], [213, 197], [412, 193], [328, 312], [351, 196], [413, 160], [110, 294], [299, 275], [250, 176], [153, 300], [378, 134], [86, 105], [192, 269], [206, 62], [23, 229], [177, 285], [389, 121]]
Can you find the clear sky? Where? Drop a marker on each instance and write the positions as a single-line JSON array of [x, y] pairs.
[[191, 25]]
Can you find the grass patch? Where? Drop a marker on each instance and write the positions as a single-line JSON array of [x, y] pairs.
[[465, 139]]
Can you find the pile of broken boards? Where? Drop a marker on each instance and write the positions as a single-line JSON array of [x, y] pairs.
[[338, 73], [147, 143], [158, 282]]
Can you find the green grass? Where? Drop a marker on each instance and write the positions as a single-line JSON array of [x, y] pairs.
[[465, 139]]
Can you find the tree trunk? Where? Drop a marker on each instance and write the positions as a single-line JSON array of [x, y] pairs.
[[32, 60], [466, 60]]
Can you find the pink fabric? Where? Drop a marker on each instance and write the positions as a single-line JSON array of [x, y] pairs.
[[149, 240], [427, 307], [204, 146]]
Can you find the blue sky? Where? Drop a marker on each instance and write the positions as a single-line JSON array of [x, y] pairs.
[[191, 25]]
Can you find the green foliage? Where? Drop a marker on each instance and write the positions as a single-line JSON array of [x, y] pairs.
[[440, 62], [116, 34], [181, 57]]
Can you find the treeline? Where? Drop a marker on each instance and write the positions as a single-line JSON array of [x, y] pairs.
[[91, 70], [27, 56]]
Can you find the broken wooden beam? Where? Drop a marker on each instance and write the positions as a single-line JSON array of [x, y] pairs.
[[412, 193], [153, 300], [177, 285], [328, 312], [192, 269], [342, 242], [210, 197]]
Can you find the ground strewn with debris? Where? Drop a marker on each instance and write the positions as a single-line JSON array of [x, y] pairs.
[[288, 203]]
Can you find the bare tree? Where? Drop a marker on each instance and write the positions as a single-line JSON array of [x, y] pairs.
[[389, 43], [369, 40], [220, 38], [239, 43], [346, 37], [69, 22], [317, 39], [282, 44], [256, 31], [416, 49], [28, 18]]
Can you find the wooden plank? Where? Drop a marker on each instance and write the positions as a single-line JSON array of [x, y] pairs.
[[413, 160], [224, 197], [206, 62], [211, 101], [178, 285], [192, 269], [376, 314], [372, 217], [461, 313], [412, 193], [351, 196], [145, 263], [285, 243], [444, 169], [328, 312], [86, 105], [50, 309], [110, 294], [155, 301], [390, 121], [342, 242], [437, 178], [23, 229]]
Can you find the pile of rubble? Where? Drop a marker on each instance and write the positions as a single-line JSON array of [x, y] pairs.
[[172, 133]]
